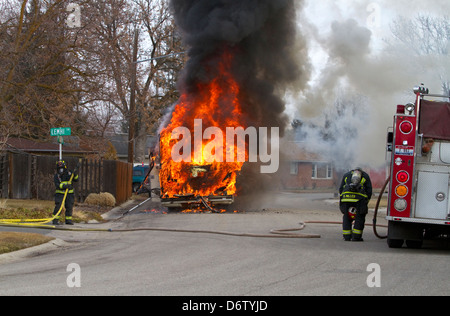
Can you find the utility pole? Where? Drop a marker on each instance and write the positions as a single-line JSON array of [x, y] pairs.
[[132, 117]]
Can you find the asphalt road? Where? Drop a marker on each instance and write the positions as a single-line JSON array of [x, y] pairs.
[[202, 264]]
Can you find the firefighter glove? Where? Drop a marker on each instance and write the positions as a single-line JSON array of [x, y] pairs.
[[67, 186]]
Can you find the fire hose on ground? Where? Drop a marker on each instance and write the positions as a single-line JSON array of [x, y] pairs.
[[37, 223], [275, 233], [41, 224], [283, 233]]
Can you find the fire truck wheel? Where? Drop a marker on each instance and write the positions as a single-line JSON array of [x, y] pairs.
[[414, 244], [395, 243]]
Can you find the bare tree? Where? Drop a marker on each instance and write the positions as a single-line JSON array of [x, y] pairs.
[[37, 89], [109, 41], [156, 88], [426, 36], [53, 74]]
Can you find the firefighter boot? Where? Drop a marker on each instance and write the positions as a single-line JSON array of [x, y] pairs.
[[69, 221], [347, 235], [357, 235], [56, 222]]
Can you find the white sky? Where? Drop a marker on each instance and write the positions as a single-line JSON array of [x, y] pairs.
[[325, 11], [375, 15], [386, 81]]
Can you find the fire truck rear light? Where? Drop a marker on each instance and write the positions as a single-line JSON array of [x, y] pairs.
[[400, 205], [402, 177], [406, 127], [401, 191], [409, 108]]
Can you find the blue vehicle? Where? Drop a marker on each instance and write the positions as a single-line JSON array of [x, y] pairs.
[[139, 175]]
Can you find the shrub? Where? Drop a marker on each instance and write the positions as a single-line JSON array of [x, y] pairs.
[[101, 199]]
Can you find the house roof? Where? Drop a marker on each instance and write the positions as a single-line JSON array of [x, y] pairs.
[[71, 145], [297, 152]]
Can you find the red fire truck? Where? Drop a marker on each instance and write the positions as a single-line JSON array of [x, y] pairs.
[[419, 189]]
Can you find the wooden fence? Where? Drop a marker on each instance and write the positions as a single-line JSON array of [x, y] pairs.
[[25, 176]]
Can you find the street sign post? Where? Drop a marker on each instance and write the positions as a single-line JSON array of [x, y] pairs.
[[59, 132]]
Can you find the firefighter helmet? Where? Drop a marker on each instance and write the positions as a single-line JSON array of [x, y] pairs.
[[61, 166], [352, 213]]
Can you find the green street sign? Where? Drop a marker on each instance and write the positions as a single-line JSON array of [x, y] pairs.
[[61, 131]]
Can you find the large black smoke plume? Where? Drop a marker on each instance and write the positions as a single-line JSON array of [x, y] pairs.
[[262, 36]]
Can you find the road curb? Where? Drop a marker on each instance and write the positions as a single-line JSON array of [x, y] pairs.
[[33, 251]]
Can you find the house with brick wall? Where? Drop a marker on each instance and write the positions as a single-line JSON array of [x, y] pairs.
[[302, 169]]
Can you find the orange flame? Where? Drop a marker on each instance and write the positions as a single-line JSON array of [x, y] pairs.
[[217, 104]]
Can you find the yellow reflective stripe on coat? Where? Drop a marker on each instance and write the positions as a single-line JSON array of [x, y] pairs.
[[354, 193], [350, 200], [64, 191], [352, 196]]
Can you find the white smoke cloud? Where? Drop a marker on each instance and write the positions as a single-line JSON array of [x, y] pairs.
[[347, 41]]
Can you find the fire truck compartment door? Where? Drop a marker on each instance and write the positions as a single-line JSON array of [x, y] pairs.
[[432, 195], [444, 152]]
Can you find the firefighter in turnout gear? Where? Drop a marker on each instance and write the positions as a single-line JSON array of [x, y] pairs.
[[355, 193], [63, 183]]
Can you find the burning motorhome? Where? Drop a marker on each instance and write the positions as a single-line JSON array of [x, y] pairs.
[[199, 178]]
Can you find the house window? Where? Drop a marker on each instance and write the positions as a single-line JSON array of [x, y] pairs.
[[294, 168], [329, 172], [322, 171]]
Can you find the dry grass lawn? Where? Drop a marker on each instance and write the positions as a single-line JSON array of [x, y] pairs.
[[34, 209], [13, 241]]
